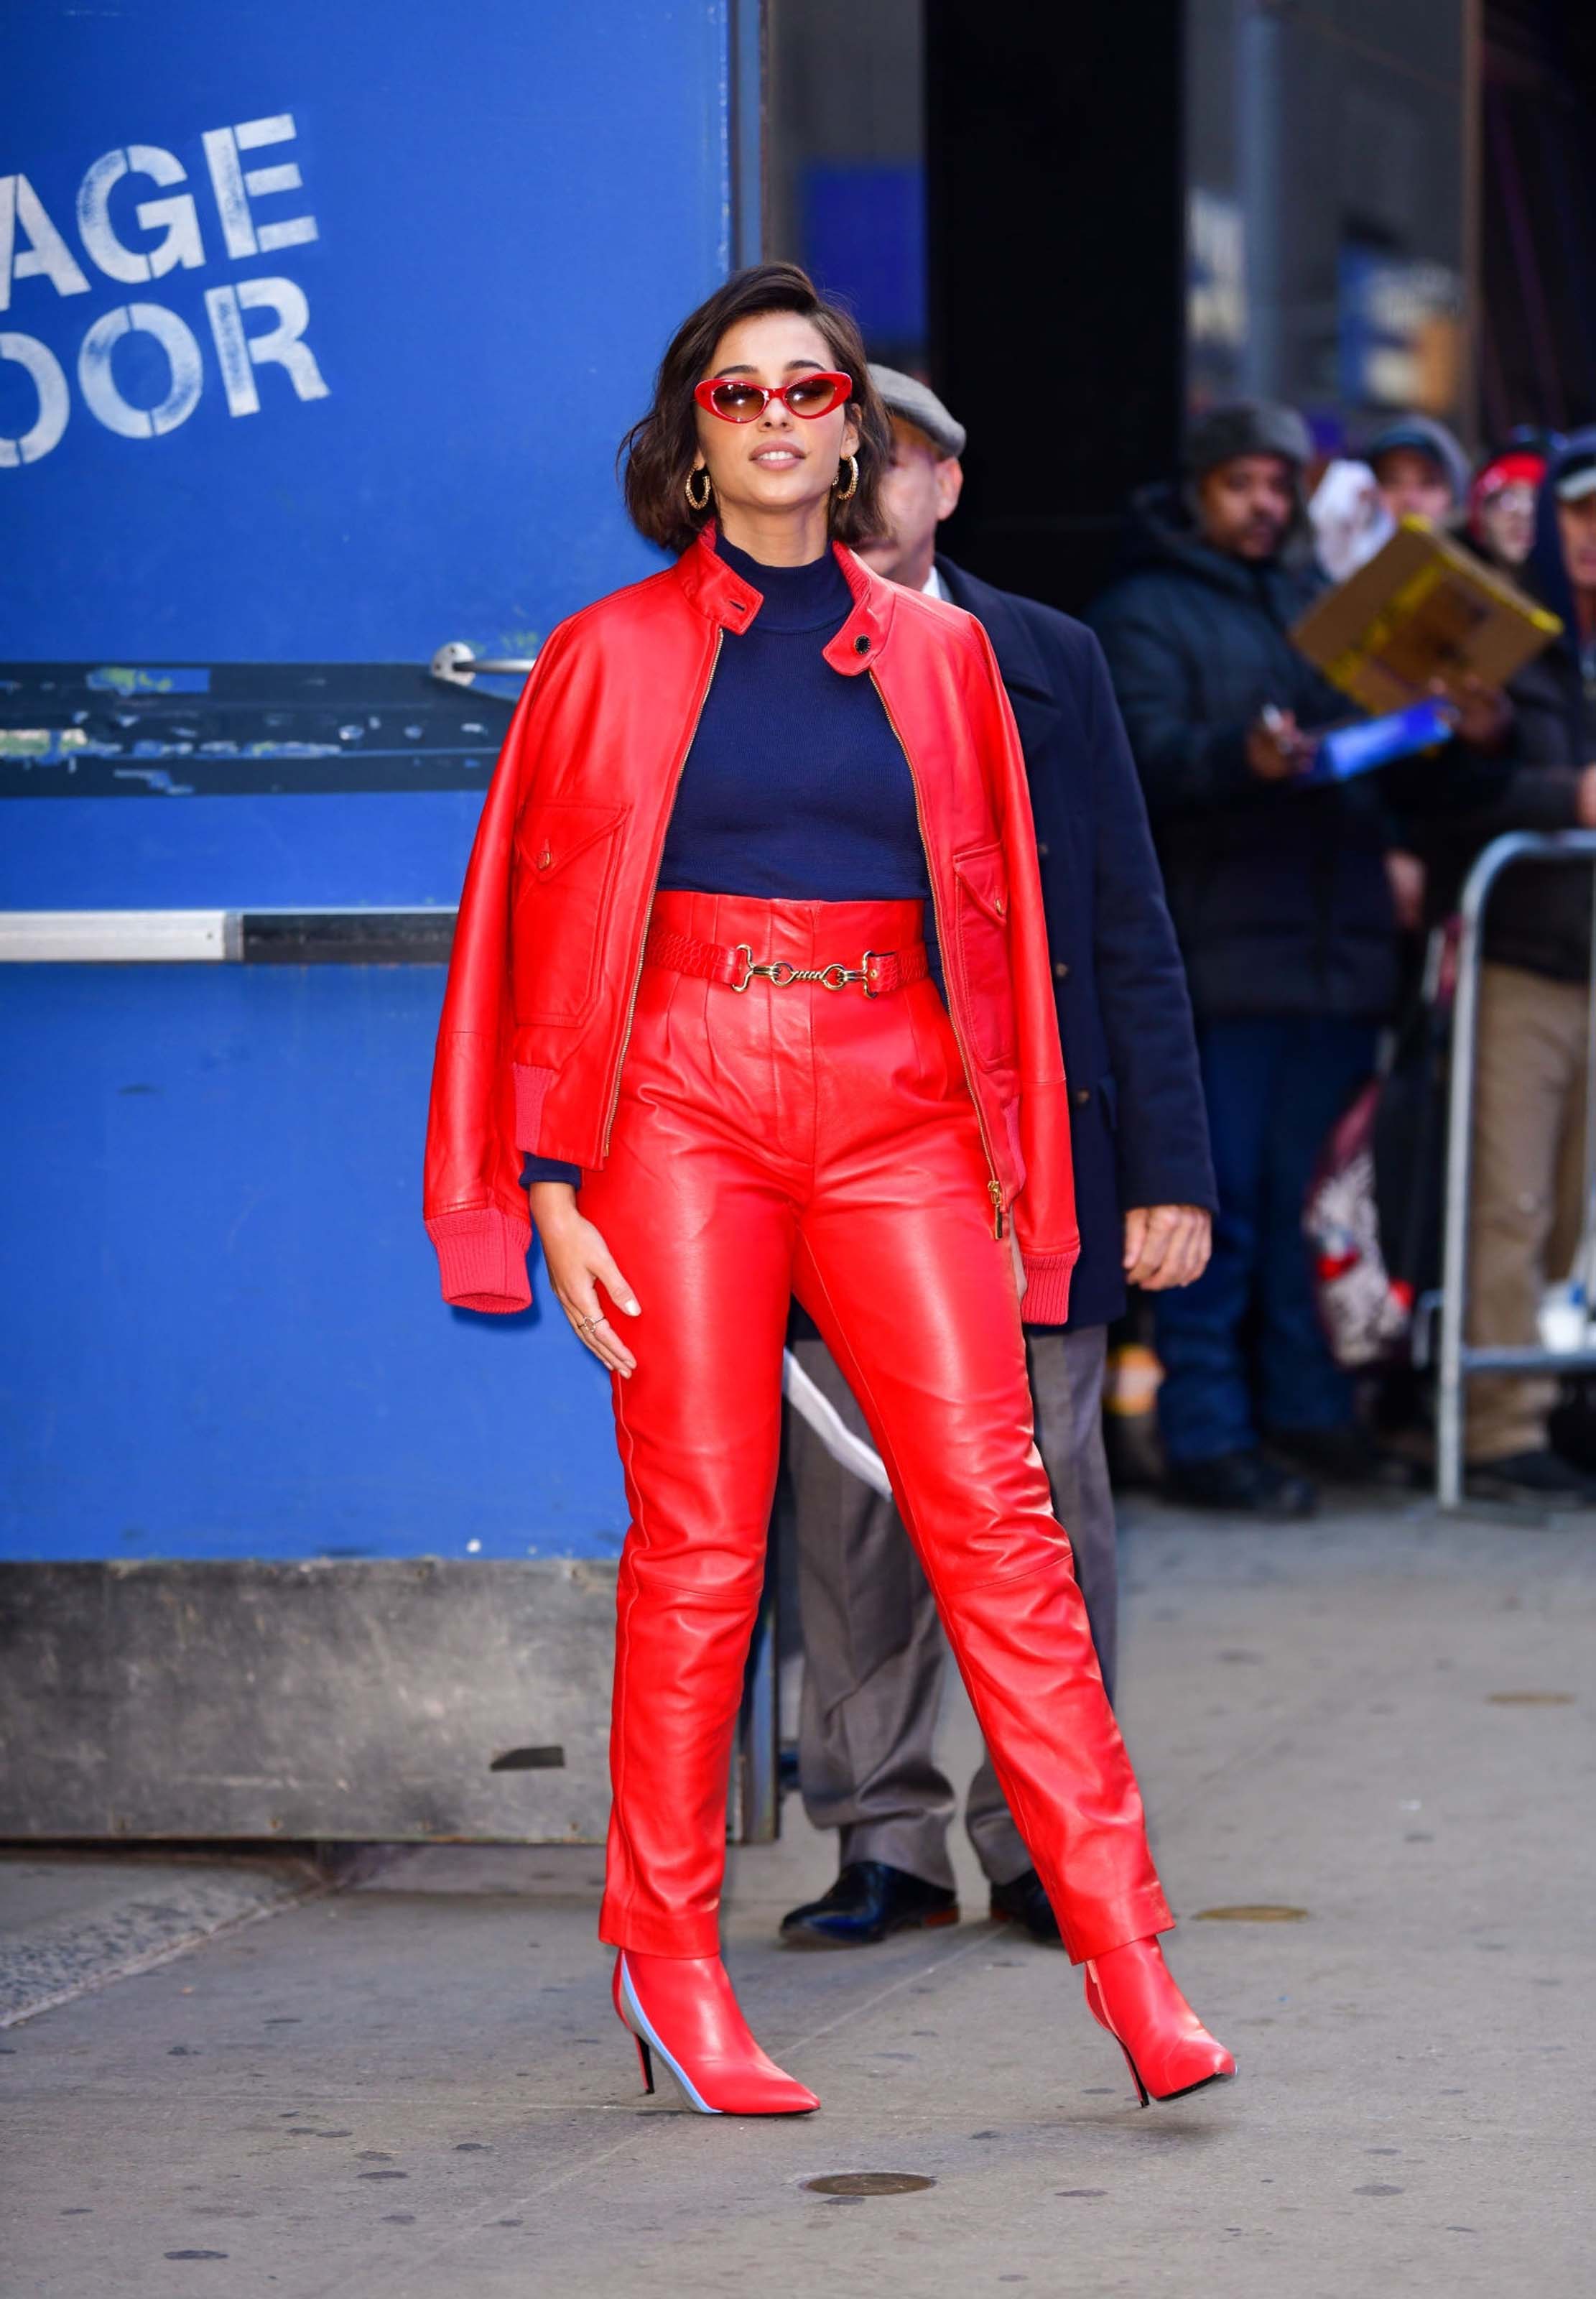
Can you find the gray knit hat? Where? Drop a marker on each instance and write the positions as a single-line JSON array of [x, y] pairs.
[[919, 404], [1248, 427]]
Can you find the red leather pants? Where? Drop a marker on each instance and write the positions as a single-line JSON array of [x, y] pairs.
[[801, 1141]]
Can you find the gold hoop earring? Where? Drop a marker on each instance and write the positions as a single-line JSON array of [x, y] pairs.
[[698, 503], [846, 493]]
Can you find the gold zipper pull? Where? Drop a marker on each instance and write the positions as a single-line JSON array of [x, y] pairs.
[[995, 1194]]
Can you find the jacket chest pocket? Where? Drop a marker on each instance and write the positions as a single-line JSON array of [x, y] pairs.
[[981, 926], [566, 855]]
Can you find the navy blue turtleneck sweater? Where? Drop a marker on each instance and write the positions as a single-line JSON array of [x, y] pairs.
[[796, 788]]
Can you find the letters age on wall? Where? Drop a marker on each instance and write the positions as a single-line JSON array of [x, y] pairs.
[[133, 241]]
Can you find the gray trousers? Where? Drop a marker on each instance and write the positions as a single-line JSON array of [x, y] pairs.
[[873, 1649]]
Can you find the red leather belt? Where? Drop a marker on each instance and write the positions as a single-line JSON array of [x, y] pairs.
[[877, 971]]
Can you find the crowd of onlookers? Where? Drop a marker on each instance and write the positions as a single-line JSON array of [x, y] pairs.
[[1298, 905]]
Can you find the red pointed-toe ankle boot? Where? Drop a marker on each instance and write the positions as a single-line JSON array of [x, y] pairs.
[[682, 2007], [1168, 2051]]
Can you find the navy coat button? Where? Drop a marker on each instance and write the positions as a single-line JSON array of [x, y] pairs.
[[1061, 968], [1083, 1094]]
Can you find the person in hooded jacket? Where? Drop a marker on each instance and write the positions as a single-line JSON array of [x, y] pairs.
[[1420, 469], [1526, 1207], [1285, 916]]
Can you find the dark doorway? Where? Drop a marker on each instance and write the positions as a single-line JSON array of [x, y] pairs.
[[1056, 182]]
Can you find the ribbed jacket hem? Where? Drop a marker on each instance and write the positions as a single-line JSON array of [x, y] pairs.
[[481, 1258], [1047, 1289]]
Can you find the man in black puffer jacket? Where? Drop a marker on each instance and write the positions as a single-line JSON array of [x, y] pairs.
[[1284, 912]]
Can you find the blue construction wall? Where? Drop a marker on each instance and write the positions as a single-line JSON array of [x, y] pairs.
[[321, 325]]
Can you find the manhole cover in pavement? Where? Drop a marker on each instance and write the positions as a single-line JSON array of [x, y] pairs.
[[1530, 1699], [869, 2183], [1262, 1913]]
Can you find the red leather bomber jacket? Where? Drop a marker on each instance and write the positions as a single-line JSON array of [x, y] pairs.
[[548, 944]]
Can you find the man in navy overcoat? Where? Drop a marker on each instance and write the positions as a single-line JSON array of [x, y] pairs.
[[1145, 1194]]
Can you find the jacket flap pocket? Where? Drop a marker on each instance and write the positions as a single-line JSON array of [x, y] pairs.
[[555, 833], [982, 874]]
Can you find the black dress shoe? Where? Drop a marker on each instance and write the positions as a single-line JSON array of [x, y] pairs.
[[1024, 1902], [1545, 1477], [868, 1900], [1241, 1485]]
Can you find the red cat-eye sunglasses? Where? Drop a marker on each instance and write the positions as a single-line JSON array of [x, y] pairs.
[[737, 401]]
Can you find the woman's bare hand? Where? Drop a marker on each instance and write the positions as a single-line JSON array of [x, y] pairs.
[[1020, 1280], [578, 1262]]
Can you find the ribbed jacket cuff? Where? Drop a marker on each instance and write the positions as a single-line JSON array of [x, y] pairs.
[[481, 1258], [532, 1089], [1048, 1288]]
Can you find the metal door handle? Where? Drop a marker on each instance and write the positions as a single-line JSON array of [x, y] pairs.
[[455, 664]]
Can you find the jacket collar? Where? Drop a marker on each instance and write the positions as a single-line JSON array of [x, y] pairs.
[[731, 604], [1019, 659]]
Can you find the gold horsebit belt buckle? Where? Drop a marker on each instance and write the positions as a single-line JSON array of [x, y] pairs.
[[781, 972]]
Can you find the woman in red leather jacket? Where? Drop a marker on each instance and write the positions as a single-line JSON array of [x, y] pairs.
[[750, 813]]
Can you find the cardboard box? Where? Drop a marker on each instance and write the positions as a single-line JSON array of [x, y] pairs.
[[1423, 609]]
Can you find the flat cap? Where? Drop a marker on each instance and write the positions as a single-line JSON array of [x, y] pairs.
[[919, 404]]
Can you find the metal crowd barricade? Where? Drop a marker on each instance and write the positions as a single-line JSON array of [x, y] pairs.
[[1460, 1359]]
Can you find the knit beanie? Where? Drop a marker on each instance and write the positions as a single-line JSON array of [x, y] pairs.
[[1248, 427]]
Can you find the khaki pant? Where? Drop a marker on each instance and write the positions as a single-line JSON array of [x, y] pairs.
[[1525, 1210], [873, 1650]]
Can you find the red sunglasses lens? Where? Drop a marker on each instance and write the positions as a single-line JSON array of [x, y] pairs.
[[817, 395], [737, 402]]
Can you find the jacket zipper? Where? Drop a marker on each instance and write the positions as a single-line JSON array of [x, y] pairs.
[[994, 1187], [637, 971]]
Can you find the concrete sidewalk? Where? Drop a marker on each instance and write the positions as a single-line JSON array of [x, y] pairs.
[[75, 1919], [416, 2088]]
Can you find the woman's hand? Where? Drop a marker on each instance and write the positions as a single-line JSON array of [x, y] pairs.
[[1020, 1280], [1166, 1245], [578, 1262]]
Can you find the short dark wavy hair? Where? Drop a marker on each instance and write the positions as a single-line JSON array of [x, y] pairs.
[[657, 453]]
